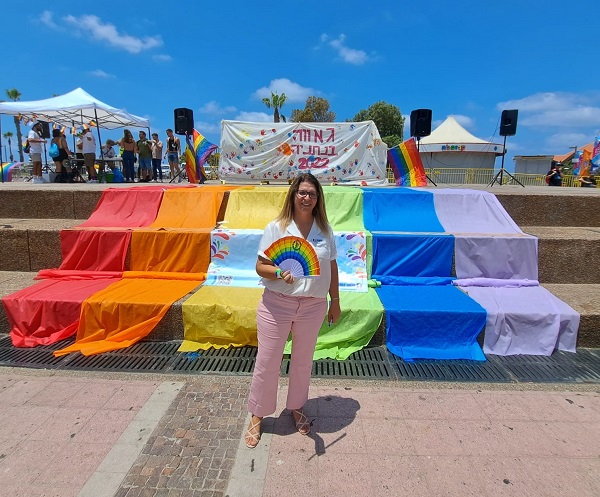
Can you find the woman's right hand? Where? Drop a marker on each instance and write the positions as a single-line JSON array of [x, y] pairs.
[[287, 277]]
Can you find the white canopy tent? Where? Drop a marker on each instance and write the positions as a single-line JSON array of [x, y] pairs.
[[450, 145], [75, 107]]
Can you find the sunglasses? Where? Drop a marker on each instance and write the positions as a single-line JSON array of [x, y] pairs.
[[304, 193]]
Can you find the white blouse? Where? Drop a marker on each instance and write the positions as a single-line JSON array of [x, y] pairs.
[[324, 245]]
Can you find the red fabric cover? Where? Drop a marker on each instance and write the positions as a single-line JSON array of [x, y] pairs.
[[58, 274], [125, 208], [91, 250], [48, 311]]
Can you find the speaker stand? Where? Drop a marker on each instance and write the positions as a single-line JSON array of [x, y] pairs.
[[499, 177], [418, 151]]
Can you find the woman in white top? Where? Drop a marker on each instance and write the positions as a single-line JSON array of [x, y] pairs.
[[290, 304]]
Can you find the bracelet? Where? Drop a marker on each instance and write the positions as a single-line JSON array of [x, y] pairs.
[[335, 298], [278, 274]]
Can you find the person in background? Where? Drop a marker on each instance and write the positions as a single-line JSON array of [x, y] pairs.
[[289, 304], [157, 155], [34, 137], [61, 162], [554, 176], [127, 143], [173, 153], [144, 147], [89, 154]]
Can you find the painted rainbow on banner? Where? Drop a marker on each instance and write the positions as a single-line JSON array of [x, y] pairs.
[[295, 254], [196, 153], [406, 164], [7, 170]]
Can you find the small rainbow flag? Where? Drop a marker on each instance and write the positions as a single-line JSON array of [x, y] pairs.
[[197, 151], [406, 164]]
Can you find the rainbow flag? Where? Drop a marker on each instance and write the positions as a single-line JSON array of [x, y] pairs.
[[197, 151], [406, 164]]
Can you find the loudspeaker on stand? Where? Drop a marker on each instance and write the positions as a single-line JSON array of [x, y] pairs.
[[45, 129], [508, 122], [420, 123], [184, 121]]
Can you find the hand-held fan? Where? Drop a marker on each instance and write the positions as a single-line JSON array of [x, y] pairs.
[[295, 254]]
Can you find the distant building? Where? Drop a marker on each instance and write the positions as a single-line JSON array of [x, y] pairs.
[[533, 164], [452, 146]]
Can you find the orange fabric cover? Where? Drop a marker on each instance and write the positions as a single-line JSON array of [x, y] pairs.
[[94, 250], [124, 313], [48, 311], [125, 208], [179, 251], [190, 208]]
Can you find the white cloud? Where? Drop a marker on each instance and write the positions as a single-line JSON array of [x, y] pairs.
[[162, 58], [207, 128], [213, 108], [562, 141], [47, 19], [465, 121], [93, 27], [99, 73], [293, 91], [347, 54], [255, 117], [556, 109]]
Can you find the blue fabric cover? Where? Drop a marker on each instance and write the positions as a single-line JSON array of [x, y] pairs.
[[411, 254], [432, 322], [399, 209]]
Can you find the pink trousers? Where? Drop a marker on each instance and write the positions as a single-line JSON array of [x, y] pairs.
[[276, 315]]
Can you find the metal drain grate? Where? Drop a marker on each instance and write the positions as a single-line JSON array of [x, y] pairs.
[[373, 363], [451, 370], [224, 361]]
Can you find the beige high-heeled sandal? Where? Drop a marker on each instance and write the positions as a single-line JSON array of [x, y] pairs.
[[302, 423], [252, 435]]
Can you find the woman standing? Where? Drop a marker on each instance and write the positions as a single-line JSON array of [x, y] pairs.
[[127, 143], [61, 161], [289, 304]]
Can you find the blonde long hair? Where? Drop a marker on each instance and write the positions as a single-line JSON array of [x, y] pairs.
[[319, 212]]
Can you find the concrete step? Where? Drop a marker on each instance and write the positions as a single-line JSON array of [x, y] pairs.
[[582, 298], [565, 254]]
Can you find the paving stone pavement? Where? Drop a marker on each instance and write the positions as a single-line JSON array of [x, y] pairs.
[[70, 434]]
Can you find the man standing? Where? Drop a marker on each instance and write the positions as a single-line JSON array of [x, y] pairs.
[[554, 176], [173, 152], [157, 154], [34, 137], [88, 149], [145, 157]]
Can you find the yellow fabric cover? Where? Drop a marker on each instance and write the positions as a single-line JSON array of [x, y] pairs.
[[178, 251], [124, 313], [220, 317], [190, 207], [253, 209]]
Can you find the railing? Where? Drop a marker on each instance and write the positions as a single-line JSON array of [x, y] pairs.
[[476, 176]]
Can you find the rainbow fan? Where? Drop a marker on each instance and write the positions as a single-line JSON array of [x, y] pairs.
[[295, 254]]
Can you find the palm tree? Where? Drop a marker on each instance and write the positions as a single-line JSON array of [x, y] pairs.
[[15, 95], [8, 136], [276, 102]]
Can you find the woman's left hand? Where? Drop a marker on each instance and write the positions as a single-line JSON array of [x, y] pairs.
[[287, 277], [334, 312]]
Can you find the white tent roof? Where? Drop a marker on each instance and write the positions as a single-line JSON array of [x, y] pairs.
[[450, 133], [75, 107]]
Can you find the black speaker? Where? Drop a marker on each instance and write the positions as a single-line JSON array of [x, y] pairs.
[[45, 129], [184, 121], [420, 122], [508, 122]]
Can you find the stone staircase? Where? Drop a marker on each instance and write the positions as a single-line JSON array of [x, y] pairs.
[[565, 220]]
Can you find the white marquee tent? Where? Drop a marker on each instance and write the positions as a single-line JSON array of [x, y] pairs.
[[452, 146], [73, 108]]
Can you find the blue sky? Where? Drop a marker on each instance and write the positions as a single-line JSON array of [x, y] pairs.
[[470, 58]]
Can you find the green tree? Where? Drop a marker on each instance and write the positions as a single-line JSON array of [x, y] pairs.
[[387, 118], [14, 95], [8, 137], [316, 110], [276, 102]]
